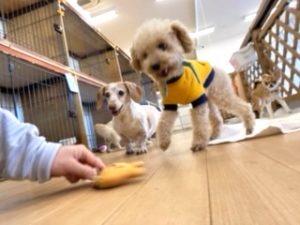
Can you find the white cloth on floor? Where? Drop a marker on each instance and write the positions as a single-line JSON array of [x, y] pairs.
[[263, 127]]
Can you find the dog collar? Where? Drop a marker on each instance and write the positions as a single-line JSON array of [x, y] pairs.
[[185, 64], [174, 79]]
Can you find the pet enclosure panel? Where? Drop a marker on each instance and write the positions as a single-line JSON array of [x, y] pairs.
[[128, 73], [13, 50], [37, 96], [92, 116], [89, 51], [151, 94], [103, 66], [281, 48], [35, 25]]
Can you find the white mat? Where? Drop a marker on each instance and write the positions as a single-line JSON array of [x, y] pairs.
[[263, 127]]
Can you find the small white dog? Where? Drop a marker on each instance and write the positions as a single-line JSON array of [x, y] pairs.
[[135, 123], [157, 50], [266, 91], [108, 133]]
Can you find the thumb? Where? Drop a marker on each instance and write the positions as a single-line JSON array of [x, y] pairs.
[[83, 171]]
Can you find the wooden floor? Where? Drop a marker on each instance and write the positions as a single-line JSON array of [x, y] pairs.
[[251, 182]]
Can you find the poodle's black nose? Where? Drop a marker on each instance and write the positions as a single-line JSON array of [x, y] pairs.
[[155, 66]]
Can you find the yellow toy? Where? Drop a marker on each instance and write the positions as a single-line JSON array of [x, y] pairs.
[[118, 173]]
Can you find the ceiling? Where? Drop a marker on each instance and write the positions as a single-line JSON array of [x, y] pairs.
[[225, 15]]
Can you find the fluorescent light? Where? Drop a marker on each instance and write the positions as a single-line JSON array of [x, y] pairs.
[[159, 0], [105, 17], [249, 17], [203, 32]]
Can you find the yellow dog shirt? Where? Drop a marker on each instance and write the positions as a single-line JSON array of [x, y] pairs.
[[189, 87]]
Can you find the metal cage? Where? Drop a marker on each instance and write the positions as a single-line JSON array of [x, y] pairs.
[[38, 96], [53, 29]]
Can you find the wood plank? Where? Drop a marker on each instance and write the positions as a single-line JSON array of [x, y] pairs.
[[251, 182], [248, 188], [284, 149], [273, 17], [31, 57], [176, 194]]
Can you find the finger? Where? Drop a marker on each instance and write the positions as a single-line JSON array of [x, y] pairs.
[[83, 171], [72, 178], [90, 159]]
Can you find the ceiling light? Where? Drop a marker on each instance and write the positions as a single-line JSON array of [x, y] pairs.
[[104, 17], [203, 32], [159, 0], [249, 17]]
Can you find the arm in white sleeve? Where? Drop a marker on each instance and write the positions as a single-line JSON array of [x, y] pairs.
[[24, 154]]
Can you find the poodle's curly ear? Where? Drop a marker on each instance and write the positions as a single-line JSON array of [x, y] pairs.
[[135, 62], [100, 99], [135, 92], [182, 36]]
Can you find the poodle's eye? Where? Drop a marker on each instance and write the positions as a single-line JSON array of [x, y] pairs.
[[145, 55], [162, 46], [107, 95], [121, 93]]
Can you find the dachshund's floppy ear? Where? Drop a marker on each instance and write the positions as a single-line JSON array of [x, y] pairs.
[[134, 91], [135, 62], [183, 36], [100, 96]]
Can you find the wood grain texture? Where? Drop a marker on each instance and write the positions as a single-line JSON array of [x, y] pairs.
[[252, 182]]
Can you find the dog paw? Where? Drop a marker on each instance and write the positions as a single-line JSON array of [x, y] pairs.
[[249, 130], [198, 147], [215, 134], [164, 145], [141, 152], [131, 152]]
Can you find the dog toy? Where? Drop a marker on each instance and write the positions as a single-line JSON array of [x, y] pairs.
[[118, 173], [102, 148]]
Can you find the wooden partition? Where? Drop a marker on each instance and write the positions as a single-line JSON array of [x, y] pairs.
[[277, 43]]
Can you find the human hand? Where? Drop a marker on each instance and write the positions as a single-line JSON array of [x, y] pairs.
[[75, 162]]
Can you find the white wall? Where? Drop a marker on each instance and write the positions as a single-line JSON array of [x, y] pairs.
[[219, 53]]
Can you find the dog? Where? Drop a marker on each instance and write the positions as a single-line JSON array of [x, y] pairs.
[[108, 133], [157, 50], [135, 123], [266, 91]]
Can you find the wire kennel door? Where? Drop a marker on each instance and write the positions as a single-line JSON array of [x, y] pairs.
[[34, 25], [39, 97]]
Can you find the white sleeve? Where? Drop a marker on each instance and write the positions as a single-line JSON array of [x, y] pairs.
[[23, 153]]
